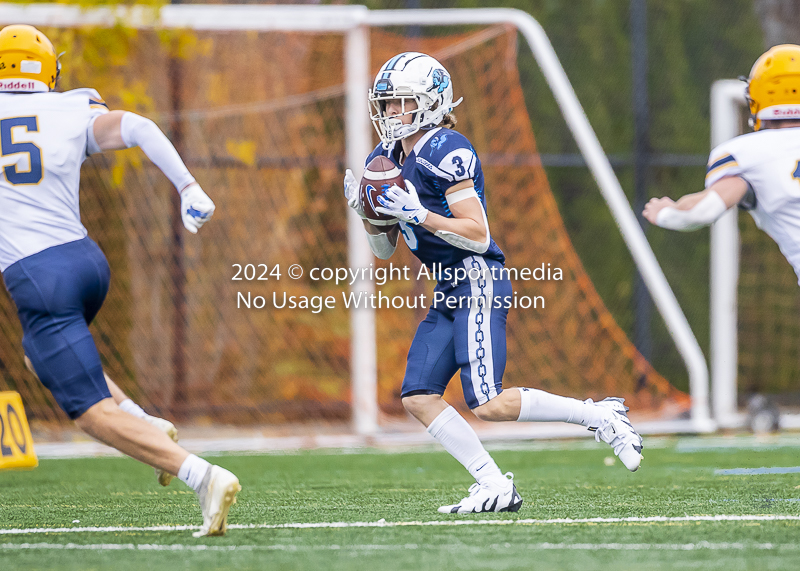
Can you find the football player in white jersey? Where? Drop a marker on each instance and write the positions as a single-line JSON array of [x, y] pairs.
[[759, 171], [58, 277]]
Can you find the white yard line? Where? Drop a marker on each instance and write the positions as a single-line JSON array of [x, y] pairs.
[[738, 442], [533, 437], [403, 441], [701, 545], [756, 471], [509, 436], [439, 523]]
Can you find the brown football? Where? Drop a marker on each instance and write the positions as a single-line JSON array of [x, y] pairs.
[[380, 174]]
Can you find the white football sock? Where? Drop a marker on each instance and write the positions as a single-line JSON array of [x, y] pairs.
[[132, 408], [192, 471], [458, 438], [539, 406]]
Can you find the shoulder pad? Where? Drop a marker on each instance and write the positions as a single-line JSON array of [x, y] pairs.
[[742, 147], [459, 164], [95, 101], [452, 155], [722, 162]]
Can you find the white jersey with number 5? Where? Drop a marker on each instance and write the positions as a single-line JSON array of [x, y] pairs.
[[769, 161], [43, 142]]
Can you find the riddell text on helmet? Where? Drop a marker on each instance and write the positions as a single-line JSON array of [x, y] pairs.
[[17, 85], [781, 113]]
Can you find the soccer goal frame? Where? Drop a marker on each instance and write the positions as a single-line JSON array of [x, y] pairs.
[[354, 22]]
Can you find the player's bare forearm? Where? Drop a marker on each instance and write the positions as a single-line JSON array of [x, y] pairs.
[[656, 205], [467, 227], [688, 201], [705, 205], [468, 219]]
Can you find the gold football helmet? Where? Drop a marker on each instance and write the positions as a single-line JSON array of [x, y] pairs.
[[773, 88], [28, 60]]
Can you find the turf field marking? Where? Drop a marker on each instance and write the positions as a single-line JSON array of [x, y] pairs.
[[701, 545], [756, 471], [710, 444], [382, 523], [568, 521]]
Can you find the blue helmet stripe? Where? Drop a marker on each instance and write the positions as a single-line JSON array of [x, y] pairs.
[[393, 62]]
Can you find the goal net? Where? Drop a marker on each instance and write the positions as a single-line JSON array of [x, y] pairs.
[[259, 118]]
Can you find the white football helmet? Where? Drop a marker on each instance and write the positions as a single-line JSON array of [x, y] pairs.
[[406, 76]]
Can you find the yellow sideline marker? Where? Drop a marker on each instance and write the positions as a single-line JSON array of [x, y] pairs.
[[16, 442]]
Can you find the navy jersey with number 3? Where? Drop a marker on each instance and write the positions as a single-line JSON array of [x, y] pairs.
[[441, 159]]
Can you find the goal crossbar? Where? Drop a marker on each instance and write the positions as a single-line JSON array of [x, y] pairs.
[[355, 21]]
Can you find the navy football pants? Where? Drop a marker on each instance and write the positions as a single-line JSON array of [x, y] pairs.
[[58, 292], [466, 330]]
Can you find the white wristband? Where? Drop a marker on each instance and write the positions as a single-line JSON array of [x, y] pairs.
[[701, 214]]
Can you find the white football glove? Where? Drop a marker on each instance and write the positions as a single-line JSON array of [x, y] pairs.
[[351, 193], [196, 207], [402, 204]]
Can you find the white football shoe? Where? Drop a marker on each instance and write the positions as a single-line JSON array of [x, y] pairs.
[[216, 496], [488, 497], [164, 478], [618, 432]]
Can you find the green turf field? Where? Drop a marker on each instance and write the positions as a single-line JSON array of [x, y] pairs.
[[324, 487]]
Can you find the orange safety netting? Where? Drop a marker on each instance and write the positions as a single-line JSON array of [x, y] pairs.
[[259, 118]]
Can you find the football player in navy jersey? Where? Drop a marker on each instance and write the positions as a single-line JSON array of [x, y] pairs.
[[442, 216]]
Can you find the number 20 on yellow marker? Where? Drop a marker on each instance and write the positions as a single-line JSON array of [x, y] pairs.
[[16, 442]]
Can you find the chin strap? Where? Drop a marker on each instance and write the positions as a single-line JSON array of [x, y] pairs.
[[402, 131], [399, 130]]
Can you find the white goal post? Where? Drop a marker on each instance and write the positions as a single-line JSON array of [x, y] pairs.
[[354, 21], [727, 99]]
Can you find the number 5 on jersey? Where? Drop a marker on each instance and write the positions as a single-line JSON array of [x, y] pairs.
[[16, 442], [9, 131]]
